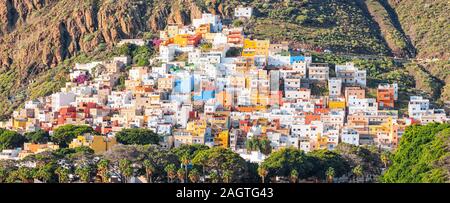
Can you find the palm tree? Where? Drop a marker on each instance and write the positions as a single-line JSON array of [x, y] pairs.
[[63, 174], [214, 177], [149, 170], [194, 176], [384, 158], [43, 174], [12, 177], [294, 176], [330, 174], [262, 172], [185, 161], [126, 170], [25, 174], [181, 173], [170, 170], [103, 169], [3, 174], [228, 176], [357, 171], [85, 173]]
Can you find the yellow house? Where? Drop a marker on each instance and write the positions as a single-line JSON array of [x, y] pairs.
[[181, 39], [222, 139], [256, 47], [20, 123], [97, 143], [262, 47], [385, 132], [248, 53], [249, 44], [321, 142], [196, 128], [336, 104]]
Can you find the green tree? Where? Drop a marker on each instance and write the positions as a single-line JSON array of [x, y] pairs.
[[103, 170], [37, 137], [25, 174], [358, 172], [237, 23], [385, 159], [84, 173], [214, 177], [194, 176], [45, 173], [10, 139], [205, 47], [65, 134], [262, 172], [181, 173], [294, 176], [282, 162], [3, 174], [330, 174], [171, 172], [126, 170], [228, 176], [219, 159], [149, 170], [63, 174], [322, 160], [421, 156], [139, 136]]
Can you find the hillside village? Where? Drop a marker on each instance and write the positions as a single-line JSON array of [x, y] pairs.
[[210, 84]]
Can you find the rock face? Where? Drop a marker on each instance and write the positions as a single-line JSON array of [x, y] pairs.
[[45, 32]]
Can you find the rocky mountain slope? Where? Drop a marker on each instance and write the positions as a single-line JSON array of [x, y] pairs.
[[39, 39]]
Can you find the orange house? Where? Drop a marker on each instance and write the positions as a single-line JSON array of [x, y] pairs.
[[225, 99], [385, 97], [311, 117]]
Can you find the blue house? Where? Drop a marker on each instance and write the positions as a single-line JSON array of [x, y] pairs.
[[294, 59]]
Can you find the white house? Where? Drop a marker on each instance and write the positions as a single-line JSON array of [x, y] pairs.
[[211, 19], [417, 106], [61, 99], [350, 136], [245, 12], [335, 86], [351, 75]]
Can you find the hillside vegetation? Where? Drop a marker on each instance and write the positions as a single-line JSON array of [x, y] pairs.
[[422, 157]]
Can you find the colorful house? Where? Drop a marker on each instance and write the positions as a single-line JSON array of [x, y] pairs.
[[97, 143]]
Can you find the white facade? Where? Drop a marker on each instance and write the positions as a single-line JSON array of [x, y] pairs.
[[245, 12], [167, 53], [335, 86], [211, 19], [350, 136], [418, 106], [351, 75], [62, 99], [369, 105]]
